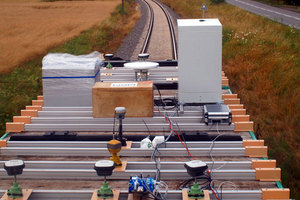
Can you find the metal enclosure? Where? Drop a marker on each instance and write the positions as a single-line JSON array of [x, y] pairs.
[[199, 60]]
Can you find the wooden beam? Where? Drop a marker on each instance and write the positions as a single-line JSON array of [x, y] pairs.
[[186, 197], [229, 96], [238, 111], [240, 118], [256, 151], [38, 108], [26, 195], [253, 143], [243, 126], [31, 113], [263, 164], [236, 106], [16, 127], [268, 174], [24, 119], [3, 143], [121, 168], [40, 97], [275, 193], [115, 192], [38, 102], [232, 101]]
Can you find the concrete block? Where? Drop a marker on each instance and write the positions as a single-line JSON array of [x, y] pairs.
[[243, 126], [16, 127], [24, 119], [275, 193], [268, 174], [256, 151], [40, 97], [31, 113]]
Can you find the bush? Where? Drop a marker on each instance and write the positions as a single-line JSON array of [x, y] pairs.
[[217, 1]]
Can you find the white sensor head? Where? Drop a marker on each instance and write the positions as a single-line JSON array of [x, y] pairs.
[[120, 110]]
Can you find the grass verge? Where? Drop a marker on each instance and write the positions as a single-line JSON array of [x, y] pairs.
[[24, 83], [261, 59]]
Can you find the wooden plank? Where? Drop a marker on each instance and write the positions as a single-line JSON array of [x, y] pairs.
[[3, 143], [240, 118], [40, 97], [38, 108], [115, 192], [232, 101], [275, 193], [38, 102], [263, 164], [24, 119], [256, 151], [26, 195], [238, 111], [236, 106], [229, 96], [31, 113], [121, 168], [137, 99], [128, 145], [253, 143], [243, 126], [268, 174], [16, 127], [225, 82], [185, 195]]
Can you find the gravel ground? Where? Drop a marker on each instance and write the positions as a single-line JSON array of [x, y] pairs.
[[132, 43]]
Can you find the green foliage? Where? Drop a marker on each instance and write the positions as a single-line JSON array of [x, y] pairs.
[[217, 1], [24, 83]]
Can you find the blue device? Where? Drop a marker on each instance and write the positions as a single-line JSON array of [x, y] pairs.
[[138, 184]]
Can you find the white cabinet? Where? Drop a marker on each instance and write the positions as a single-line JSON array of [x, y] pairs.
[[200, 60]]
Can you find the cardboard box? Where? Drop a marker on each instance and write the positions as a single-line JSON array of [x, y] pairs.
[[136, 97]]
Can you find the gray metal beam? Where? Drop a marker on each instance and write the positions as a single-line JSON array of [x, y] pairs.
[[90, 174], [137, 152], [127, 127], [89, 144], [224, 165]]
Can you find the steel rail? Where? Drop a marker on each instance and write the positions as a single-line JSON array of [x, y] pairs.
[[90, 174], [135, 165], [100, 144], [128, 127], [133, 152], [172, 32], [150, 28]]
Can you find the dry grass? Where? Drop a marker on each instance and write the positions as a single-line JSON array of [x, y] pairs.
[[28, 28], [262, 60]]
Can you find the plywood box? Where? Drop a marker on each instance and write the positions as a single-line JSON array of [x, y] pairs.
[[136, 97]]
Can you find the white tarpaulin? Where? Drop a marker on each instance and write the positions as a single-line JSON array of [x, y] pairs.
[[68, 79]]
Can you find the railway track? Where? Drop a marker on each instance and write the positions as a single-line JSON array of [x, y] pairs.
[[154, 34]]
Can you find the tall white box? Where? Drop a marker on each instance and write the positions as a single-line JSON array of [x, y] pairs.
[[199, 60]]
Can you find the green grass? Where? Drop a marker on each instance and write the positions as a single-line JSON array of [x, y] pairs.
[[24, 83], [262, 61]]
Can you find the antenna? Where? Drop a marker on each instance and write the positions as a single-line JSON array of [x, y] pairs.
[[203, 8]]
